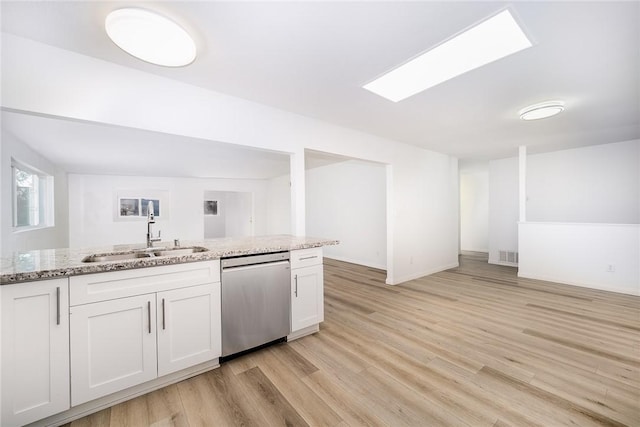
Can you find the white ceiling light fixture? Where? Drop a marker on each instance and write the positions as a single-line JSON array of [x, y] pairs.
[[150, 37], [488, 41], [541, 110]]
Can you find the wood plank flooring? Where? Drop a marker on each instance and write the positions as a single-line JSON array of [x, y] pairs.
[[471, 346]]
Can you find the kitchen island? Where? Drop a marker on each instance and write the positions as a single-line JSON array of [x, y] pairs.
[[84, 329]]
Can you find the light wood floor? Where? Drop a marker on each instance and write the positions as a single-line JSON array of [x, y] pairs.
[[471, 346]]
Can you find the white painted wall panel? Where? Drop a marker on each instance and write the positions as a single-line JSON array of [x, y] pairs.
[[596, 184], [347, 201], [279, 205], [599, 256]]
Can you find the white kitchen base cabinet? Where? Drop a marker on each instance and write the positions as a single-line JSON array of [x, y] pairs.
[[307, 290], [188, 327], [113, 346], [131, 327], [35, 350]]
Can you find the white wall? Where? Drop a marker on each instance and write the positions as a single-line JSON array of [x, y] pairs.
[[279, 205], [596, 184], [589, 200], [214, 225], [239, 222], [423, 206], [347, 201], [93, 201], [503, 207], [474, 207], [42, 238], [600, 256]]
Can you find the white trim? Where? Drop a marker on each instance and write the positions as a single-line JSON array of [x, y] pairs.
[[303, 332]]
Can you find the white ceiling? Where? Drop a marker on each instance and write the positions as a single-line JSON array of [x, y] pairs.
[[312, 58]]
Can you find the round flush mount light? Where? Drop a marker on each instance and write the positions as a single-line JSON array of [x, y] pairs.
[[541, 110], [150, 37]]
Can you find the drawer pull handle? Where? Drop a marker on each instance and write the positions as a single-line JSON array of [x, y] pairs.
[[308, 257], [58, 305], [295, 278], [149, 314], [163, 316]]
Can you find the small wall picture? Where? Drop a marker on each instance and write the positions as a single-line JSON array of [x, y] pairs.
[[129, 207], [211, 207], [145, 205]]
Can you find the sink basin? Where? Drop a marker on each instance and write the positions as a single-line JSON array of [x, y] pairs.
[[117, 257], [179, 251], [147, 253]]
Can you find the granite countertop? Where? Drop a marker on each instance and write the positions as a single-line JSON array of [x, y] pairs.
[[54, 263]]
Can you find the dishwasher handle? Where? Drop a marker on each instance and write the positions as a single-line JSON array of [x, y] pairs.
[[254, 266]]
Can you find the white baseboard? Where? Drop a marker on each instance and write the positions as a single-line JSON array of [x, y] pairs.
[[303, 332], [356, 261], [597, 286], [397, 281]]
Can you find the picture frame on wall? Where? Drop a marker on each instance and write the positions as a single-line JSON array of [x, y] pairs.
[[133, 205], [211, 207], [145, 205], [129, 207]]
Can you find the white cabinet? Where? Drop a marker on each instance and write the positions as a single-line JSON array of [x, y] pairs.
[[113, 346], [35, 350], [188, 327], [307, 289], [130, 327]]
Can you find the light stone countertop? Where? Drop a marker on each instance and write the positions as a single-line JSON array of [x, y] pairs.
[[56, 263]]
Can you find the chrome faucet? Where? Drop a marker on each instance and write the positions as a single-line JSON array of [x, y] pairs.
[[150, 221]]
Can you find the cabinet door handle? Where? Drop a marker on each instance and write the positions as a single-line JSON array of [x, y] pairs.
[[149, 314], [163, 315], [308, 257], [295, 279], [58, 305]]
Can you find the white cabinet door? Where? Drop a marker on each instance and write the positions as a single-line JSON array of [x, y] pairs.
[[307, 299], [113, 346], [188, 327], [35, 350]]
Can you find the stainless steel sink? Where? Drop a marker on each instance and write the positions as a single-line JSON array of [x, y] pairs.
[[147, 253], [117, 257], [179, 251]]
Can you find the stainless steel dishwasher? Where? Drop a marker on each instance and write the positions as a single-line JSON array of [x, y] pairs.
[[256, 301]]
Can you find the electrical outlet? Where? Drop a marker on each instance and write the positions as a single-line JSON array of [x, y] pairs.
[[411, 260], [611, 268]]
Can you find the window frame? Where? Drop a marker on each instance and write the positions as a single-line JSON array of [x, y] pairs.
[[45, 197]]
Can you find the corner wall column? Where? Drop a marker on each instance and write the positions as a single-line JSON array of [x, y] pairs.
[[522, 182], [297, 179]]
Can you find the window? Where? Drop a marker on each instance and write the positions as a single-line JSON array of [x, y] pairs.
[[32, 197]]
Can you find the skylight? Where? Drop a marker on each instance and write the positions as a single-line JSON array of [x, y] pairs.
[[488, 41]]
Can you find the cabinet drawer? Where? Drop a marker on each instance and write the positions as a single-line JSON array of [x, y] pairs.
[[306, 257], [119, 284]]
